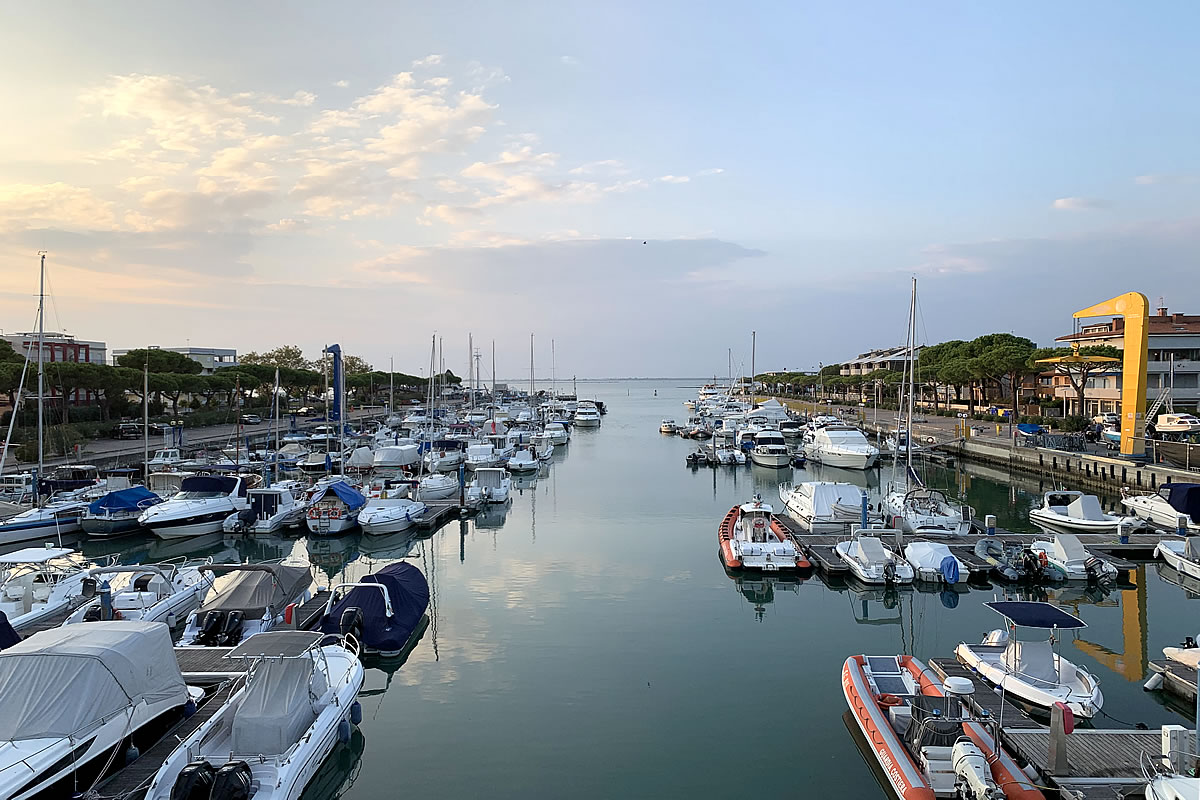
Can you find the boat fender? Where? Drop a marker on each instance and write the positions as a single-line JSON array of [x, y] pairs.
[[344, 731], [234, 781], [194, 782], [355, 712], [289, 613], [131, 754], [1068, 717], [1155, 682], [889, 700], [171, 620], [1043, 559], [189, 708]]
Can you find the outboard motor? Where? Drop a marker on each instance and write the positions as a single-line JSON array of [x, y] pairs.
[[195, 782], [247, 518], [889, 573], [351, 622], [1030, 564], [233, 782], [972, 775], [1095, 570], [211, 628], [231, 633]]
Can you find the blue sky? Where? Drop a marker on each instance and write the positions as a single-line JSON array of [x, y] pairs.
[[236, 176]]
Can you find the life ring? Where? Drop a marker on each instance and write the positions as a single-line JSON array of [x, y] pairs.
[[886, 700], [335, 513], [314, 512]]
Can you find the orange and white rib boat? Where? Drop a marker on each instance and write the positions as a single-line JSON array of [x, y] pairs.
[[927, 743], [751, 538]]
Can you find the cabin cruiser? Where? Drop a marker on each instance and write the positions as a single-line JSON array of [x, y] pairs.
[[117, 513], [1182, 554], [166, 484], [1184, 424], [587, 416], [480, 456], [38, 582], [1065, 511], [68, 478], [920, 729], [164, 592], [384, 611], [770, 450], [390, 510], [840, 446], [247, 599], [926, 512], [491, 485], [323, 457], [200, 507], [667, 426], [74, 696], [791, 428], [557, 431], [933, 562], [871, 560], [333, 508], [1065, 558], [437, 486], [824, 506], [523, 461], [270, 737], [1166, 508], [445, 455], [1020, 659], [269, 509], [55, 518], [17, 488], [751, 538], [165, 459]]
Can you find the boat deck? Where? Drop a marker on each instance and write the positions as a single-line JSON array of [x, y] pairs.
[[1178, 679], [47, 623], [984, 699]]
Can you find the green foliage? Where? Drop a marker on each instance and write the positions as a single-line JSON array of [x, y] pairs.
[[287, 356], [160, 361]]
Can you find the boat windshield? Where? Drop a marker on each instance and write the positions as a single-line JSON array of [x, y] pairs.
[[193, 495]]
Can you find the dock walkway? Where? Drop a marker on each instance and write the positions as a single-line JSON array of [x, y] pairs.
[[984, 699], [1178, 679]]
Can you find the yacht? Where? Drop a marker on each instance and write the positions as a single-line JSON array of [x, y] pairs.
[[872, 561], [117, 513], [1020, 659], [557, 432], [56, 518], [384, 611], [824, 506], [38, 582], [1172, 504], [269, 509], [247, 599], [840, 446], [770, 450], [268, 740], [1182, 554], [587, 416], [523, 461], [491, 485], [751, 538], [74, 696], [390, 510], [1065, 511], [165, 592], [667, 426], [200, 507], [926, 512], [333, 508], [1065, 558]]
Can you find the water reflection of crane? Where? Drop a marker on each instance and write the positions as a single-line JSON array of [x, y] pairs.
[[1130, 663]]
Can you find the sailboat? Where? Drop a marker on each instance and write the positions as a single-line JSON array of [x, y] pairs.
[[434, 485], [913, 507]]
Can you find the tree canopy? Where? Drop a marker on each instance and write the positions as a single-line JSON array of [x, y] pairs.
[[160, 361]]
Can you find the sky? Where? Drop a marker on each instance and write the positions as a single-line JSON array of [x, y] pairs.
[[642, 183]]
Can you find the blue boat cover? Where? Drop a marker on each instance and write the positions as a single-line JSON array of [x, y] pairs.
[[131, 499], [409, 592], [210, 483], [1032, 614], [1185, 498], [1029, 428], [343, 491], [949, 569], [8, 636]]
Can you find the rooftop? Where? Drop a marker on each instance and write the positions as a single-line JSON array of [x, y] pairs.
[[1161, 323]]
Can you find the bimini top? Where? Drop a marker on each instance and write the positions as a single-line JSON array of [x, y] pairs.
[[35, 555], [408, 593], [276, 644], [255, 588], [66, 680], [134, 498], [342, 491], [1031, 614], [1185, 498]]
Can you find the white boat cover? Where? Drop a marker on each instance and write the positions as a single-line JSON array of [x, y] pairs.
[[69, 679], [868, 550], [1188, 656], [1086, 506], [1068, 548], [928, 555], [825, 496], [254, 590], [278, 707], [1032, 662], [402, 455], [361, 458]]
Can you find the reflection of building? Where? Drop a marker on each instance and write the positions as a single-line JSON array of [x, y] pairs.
[[210, 358], [1174, 340], [57, 348]]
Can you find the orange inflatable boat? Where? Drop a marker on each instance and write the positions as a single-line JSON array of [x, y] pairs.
[[751, 538]]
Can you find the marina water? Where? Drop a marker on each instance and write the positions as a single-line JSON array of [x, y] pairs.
[[589, 642]]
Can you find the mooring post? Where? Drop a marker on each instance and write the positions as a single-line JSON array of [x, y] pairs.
[[1062, 723]]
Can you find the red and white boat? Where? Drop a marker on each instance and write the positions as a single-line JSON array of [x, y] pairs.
[[919, 729], [751, 538]]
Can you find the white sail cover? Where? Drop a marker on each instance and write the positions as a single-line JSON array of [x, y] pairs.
[[826, 497], [69, 679]]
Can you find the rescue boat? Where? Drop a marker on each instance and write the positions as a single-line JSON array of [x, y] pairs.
[[751, 538], [926, 741]]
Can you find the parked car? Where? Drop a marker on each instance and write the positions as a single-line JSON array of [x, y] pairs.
[[127, 430], [1109, 418], [251, 419]]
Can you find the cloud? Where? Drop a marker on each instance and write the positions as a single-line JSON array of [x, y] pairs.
[[608, 166], [1077, 203], [24, 206], [674, 179], [1166, 178], [341, 84], [290, 225], [709, 171], [570, 61], [431, 60]]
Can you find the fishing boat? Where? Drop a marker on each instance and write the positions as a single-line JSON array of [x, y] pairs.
[[200, 507], [491, 485], [383, 611], [269, 739], [269, 509], [74, 697], [1064, 511], [770, 450], [1173, 505], [247, 599], [37, 583], [933, 562], [389, 509], [920, 730], [164, 592], [1065, 558], [872, 561], [751, 538], [667, 426], [1020, 659], [166, 459], [1183, 555], [837, 445], [333, 508], [117, 513], [54, 519], [824, 506]]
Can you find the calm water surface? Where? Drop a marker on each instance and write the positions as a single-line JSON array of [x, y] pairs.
[[588, 641]]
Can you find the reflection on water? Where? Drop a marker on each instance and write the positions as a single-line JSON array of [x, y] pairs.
[[339, 771], [760, 589]]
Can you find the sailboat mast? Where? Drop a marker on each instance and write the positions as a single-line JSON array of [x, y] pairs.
[[753, 352], [41, 343], [493, 379], [471, 368], [391, 385], [912, 370], [275, 414], [146, 418], [531, 400]]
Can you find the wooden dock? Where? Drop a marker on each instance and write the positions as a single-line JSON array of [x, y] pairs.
[[1096, 759], [985, 699], [1178, 679], [442, 511]]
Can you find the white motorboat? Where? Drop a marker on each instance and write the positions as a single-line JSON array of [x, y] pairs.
[[52, 520], [1170, 786], [926, 512], [933, 562], [557, 432], [841, 446], [269, 509], [1021, 660], [586, 416], [1173, 504], [390, 510], [523, 461], [246, 599], [729, 457], [74, 696], [396, 456], [667, 426], [445, 455], [38, 582], [1065, 511], [480, 456], [1185, 424], [438, 486], [333, 508], [168, 458], [824, 506], [540, 441], [1065, 558], [1182, 554], [200, 507], [770, 450], [165, 592], [872, 561], [491, 485], [271, 736]]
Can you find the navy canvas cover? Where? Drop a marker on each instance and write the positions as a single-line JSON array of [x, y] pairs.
[[1032, 614], [8, 636], [1185, 498], [208, 483], [343, 491], [409, 592], [132, 499]]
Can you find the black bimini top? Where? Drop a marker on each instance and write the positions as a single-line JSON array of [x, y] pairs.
[[1031, 614]]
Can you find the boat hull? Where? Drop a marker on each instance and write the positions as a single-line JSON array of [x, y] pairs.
[[1175, 558], [106, 527], [774, 460], [1051, 522], [733, 559]]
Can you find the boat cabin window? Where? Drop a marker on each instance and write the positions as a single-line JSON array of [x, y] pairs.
[[264, 503]]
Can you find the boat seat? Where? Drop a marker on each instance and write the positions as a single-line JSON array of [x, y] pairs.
[[41, 592], [16, 591], [134, 600]]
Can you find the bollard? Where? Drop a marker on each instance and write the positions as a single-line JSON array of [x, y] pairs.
[[1062, 723], [1181, 525], [989, 524], [1123, 531], [864, 509]]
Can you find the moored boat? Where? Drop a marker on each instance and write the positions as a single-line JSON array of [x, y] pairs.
[[872, 561], [333, 508], [117, 513], [751, 538], [383, 611], [1065, 511], [1065, 558]]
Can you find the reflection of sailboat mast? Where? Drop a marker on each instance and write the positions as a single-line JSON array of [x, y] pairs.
[[431, 571], [462, 541]]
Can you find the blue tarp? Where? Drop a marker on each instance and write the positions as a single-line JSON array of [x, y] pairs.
[[1029, 428], [1031, 614], [132, 499], [343, 491], [1185, 498], [409, 594]]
